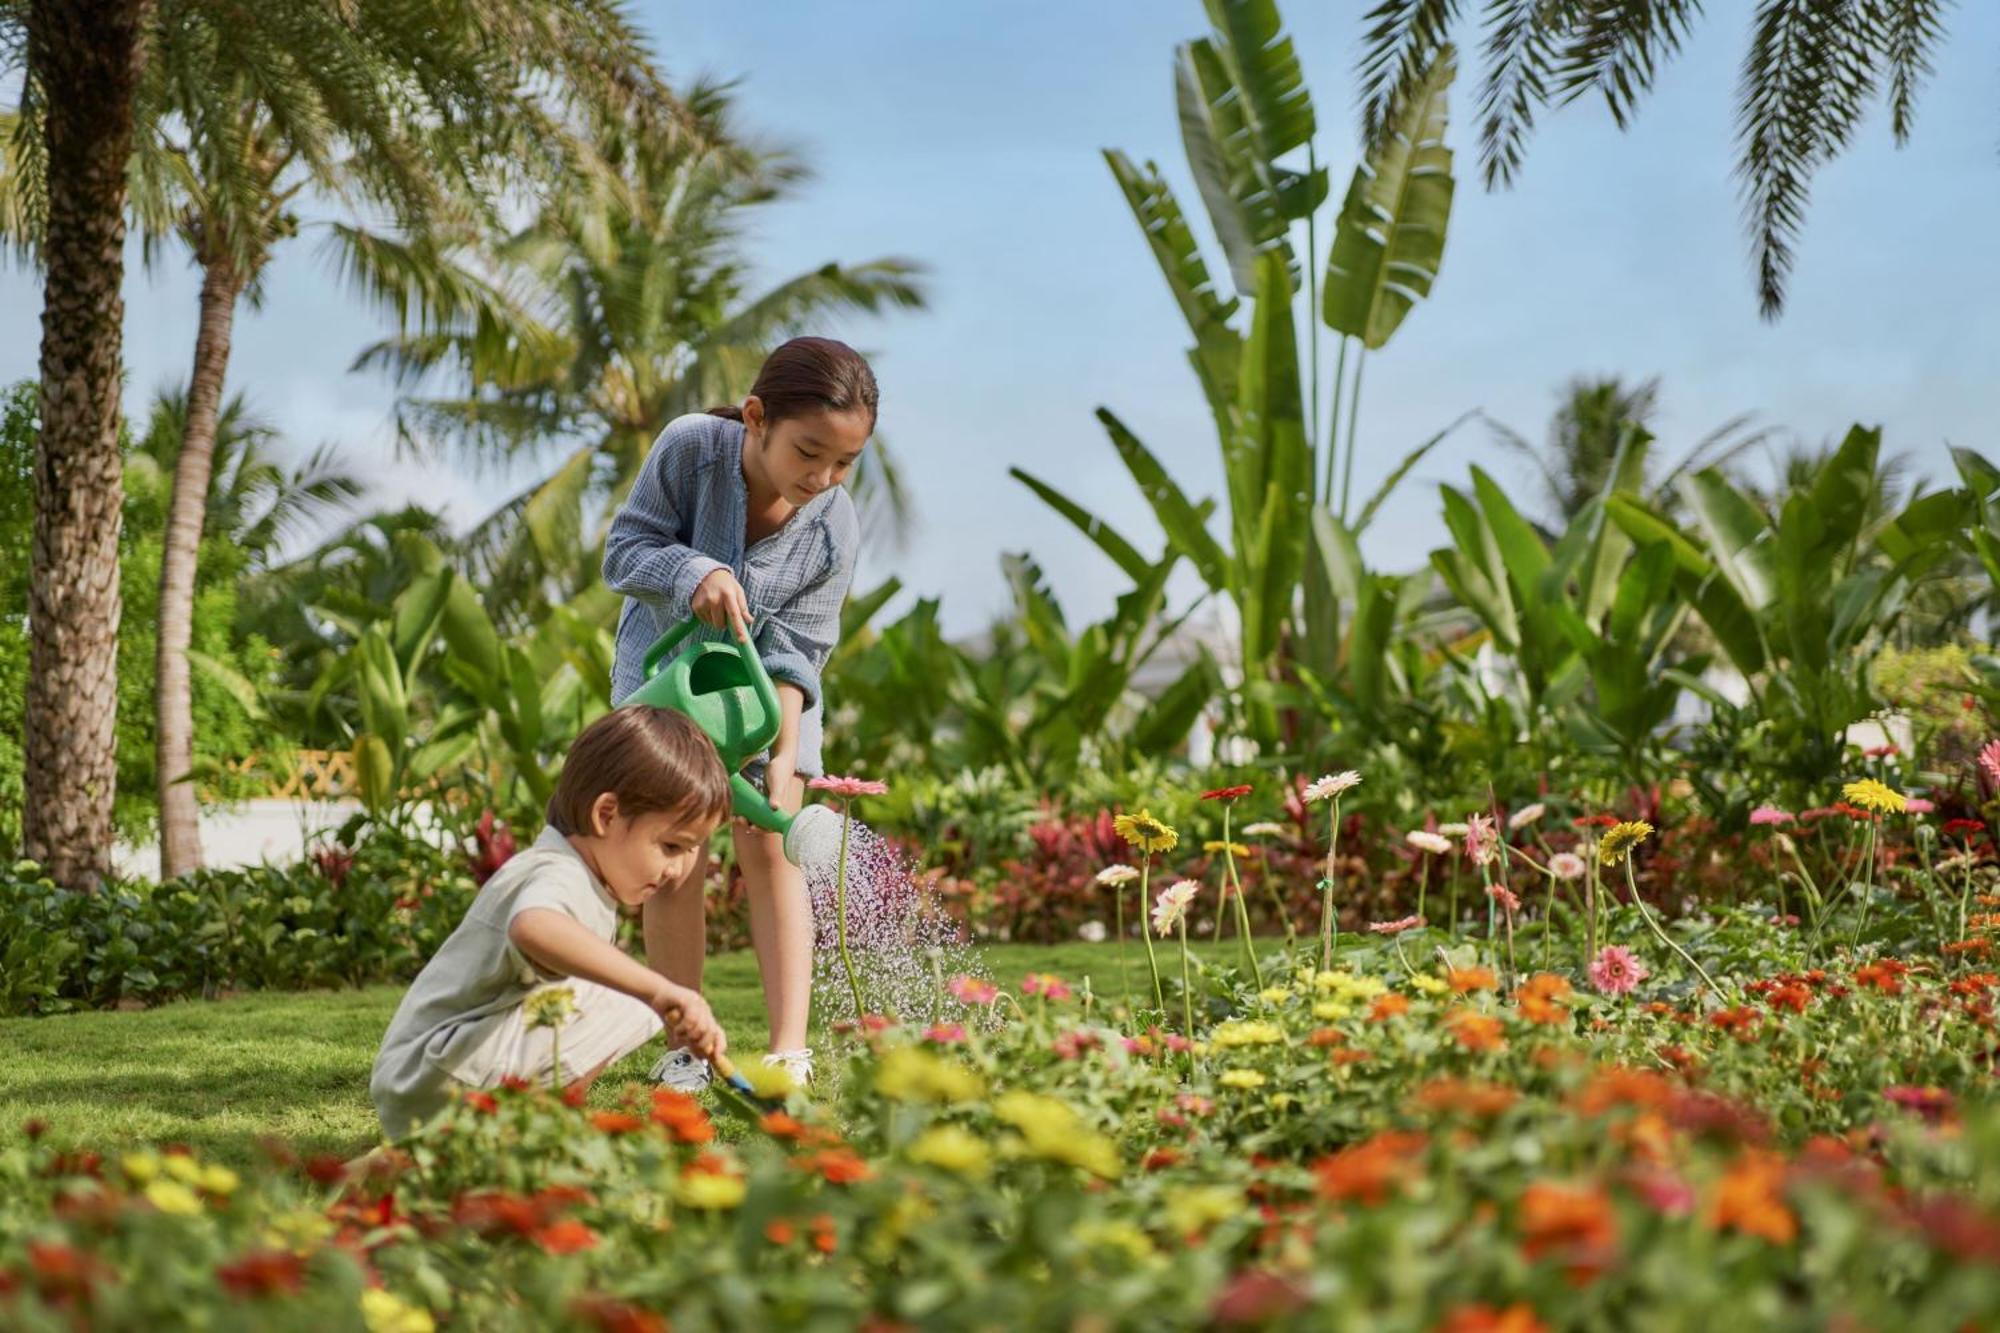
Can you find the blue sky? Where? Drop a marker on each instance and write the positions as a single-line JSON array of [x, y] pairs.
[[967, 136]]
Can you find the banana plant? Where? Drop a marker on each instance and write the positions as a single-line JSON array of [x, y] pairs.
[[1795, 597], [1243, 105]]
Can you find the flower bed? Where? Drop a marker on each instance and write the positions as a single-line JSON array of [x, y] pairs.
[[1394, 1143]]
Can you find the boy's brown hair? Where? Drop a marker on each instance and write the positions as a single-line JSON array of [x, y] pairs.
[[649, 758]]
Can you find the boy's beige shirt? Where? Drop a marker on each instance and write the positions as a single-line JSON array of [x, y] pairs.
[[477, 977]]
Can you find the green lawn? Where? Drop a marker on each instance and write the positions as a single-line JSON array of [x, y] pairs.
[[221, 1075]]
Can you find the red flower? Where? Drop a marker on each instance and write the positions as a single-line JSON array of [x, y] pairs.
[[1739, 1020], [1885, 976], [1595, 821], [496, 1212], [780, 1232], [682, 1115], [1226, 793], [565, 1237], [780, 1125], [836, 1166], [1159, 1159], [264, 1273], [617, 1122], [1933, 1104], [325, 1169], [63, 1273], [496, 846], [1255, 1298], [482, 1102], [1965, 826], [824, 1238]]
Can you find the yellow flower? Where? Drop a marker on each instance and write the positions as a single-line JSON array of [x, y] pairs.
[[1326, 1011], [1145, 832], [907, 1074], [1215, 845], [773, 1082], [1877, 796], [550, 1006], [219, 1180], [708, 1190], [1281, 1101], [1332, 981], [1275, 994], [384, 1312], [299, 1231], [1055, 1131], [183, 1168], [952, 1149], [1429, 984], [1198, 1207], [1114, 1235], [1620, 839], [173, 1198], [1246, 1032], [1241, 1078], [141, 1168], [1361, 988]]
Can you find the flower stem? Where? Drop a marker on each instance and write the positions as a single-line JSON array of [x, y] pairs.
[[1146, 934], [840, 914], [1187, 986], [1646, 915], [1124, 975], [1867, 889], [1326, 931], [1242, 908]]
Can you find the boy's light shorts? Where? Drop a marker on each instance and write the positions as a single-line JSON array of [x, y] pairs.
[[608, 1026]]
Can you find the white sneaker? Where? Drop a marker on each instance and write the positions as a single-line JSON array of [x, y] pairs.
[[797, 1064], [683, 1071]]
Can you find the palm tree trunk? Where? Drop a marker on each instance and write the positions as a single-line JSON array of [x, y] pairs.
[[85, 56], [180, 832]]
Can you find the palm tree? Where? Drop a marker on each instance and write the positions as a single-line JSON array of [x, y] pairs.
[[1602, 423], [1810, 71], [242, 115], [607, 315], [80, 63]]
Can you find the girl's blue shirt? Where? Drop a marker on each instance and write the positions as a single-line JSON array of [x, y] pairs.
[[685, 519]]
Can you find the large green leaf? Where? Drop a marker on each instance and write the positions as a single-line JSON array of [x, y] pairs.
[[1277, 107], [1389, 240], [1241, 199], [1166, 721], [1738, 535], [1206, 307], [1269, 468], [1402, 470], [1122, 553], [1184, 523]]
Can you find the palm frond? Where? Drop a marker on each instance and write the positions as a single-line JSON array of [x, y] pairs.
[[1908, 31], [1400, 45], [1615, 47], [1520, 52]]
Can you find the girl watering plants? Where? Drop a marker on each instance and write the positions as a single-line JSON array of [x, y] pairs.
[[740, 519]]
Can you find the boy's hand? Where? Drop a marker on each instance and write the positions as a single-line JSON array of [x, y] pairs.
[[719, 600], [689, 1020]]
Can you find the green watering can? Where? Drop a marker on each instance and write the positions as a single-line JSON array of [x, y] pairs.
[[725, 690]]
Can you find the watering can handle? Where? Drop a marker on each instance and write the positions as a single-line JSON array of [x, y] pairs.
[[760, 679]]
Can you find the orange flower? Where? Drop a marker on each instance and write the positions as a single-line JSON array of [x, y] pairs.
[[565, 1237], [1321, 1038], [1750, 1199], [837, 1166], [614, 1316], [1516, 1318], [1883, 976], [1741, 1021], [1475, 1032], [1540, 996], [1464, 979], [1619, 1086], [616, 1122], [682, 1115], [1571, 1223], [1388, 1006], [780, 1232], [779, 1125], [1447, 1096], [1368, 1171], [824, 1238]]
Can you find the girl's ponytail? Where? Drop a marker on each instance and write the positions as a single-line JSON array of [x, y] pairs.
[[728, 412]]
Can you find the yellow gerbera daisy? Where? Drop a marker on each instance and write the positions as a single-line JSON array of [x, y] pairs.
[[1880, 797], [1620, 839], [1146, 833], [1215, 845]]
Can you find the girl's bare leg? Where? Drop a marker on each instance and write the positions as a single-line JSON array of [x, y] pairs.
[[675, 924], [781, 930]]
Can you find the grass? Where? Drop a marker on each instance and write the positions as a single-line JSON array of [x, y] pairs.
[[222, 1075]]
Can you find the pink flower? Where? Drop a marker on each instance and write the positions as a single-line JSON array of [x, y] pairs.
[[1567, 865], [1505, 896], [1933, 1104], [1045, 985], [1917, 805], [1395, 927], [972, 990], [1989, 763], [947, 1034], [1617, 970], [1770, 814], [1481, 844], [1664, 1192], [849, 787]]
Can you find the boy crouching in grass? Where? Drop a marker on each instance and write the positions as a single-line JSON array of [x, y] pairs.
[[639, 796]]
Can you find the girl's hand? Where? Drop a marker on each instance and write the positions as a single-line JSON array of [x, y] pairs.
[[783, 784], [719, 600]]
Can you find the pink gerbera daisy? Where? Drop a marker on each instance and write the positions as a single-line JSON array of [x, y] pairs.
[[1617, 970], [849, 787]]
